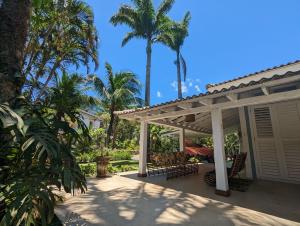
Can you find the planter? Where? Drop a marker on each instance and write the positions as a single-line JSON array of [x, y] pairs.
[[102, 165]]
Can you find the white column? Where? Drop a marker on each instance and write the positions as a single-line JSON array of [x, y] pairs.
[[181, 139], [245, 142], [222, 187], [143, 149]]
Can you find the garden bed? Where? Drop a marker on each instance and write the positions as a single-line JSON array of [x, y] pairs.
[[89, 169]]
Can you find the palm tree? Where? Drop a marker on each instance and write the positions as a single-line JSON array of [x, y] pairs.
[[145, 23], [120, 91], [174, 39], [59, 37], [68, 96]]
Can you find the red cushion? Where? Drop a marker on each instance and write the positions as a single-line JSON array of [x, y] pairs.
[[204, 151]]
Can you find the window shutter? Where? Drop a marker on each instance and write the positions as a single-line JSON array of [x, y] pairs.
[[265, 143]]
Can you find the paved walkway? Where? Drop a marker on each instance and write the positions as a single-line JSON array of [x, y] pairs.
[[125, 200]]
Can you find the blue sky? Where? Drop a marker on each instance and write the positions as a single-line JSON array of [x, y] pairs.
[[226, 39]]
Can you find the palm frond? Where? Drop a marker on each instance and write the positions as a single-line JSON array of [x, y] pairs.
[[125, 15], [164, 8], [128, 37], [100, 87], [186, 19], [9, 118], [166, 38]]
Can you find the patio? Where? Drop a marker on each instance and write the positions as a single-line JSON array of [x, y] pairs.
[[129, 200]]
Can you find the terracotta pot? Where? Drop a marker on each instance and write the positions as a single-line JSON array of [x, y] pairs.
[[102, 165]]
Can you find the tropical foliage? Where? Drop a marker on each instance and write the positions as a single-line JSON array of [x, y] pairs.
[[37, 156], [160, 141], [61, 36], [120, 91], [232, 144], [146, 23], [38, 138]]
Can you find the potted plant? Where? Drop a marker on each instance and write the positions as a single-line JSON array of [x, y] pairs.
[[102, 162]]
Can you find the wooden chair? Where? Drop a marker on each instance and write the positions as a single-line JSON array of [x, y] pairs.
[[237, 166]]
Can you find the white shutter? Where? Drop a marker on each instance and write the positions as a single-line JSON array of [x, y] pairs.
[[266, 150], [288, 120]]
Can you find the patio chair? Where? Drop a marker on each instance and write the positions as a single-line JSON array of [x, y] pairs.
[[237, 166]]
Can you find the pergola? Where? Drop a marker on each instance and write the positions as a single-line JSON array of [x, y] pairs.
[[224, 106]]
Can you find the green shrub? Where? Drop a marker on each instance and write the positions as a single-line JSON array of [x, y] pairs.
[[122, 166], [112, 169], [98, 137], [120, 155], [86, 157], [125, 168], [88, 169]]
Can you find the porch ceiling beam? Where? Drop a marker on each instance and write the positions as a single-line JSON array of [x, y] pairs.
[[206, 102], [187, 126], [178, 119], [174, 126], [265, 90], [275, 97], [185, 105], [232, 96]]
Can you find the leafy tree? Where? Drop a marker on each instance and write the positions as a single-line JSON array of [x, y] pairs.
[[145, 23], [159, 142], [206, 142], [68, 96], [127, 134], [120, 91], [36, 139], [60, 37], [174, 39]]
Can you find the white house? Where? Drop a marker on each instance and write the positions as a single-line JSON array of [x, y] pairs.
[[91, 120], [264, 106]]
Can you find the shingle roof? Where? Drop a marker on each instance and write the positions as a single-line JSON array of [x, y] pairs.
[[252, 74], [241, 85]]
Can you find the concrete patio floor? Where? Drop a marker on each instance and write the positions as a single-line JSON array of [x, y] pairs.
[[126, 200]]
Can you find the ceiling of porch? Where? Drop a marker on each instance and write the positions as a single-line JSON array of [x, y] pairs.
[[202, 122]]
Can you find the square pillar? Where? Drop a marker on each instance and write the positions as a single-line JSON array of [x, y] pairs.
[[222, 187], [181, 139], [143, 149]]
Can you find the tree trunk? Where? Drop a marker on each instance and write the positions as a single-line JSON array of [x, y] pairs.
[[115, 125], [148, 71], [110, 126], [14, 24], [178, 75]]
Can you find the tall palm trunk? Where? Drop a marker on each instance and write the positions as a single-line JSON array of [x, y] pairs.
[[110, 126], [178, 75], [148, 71], [14, 24]]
